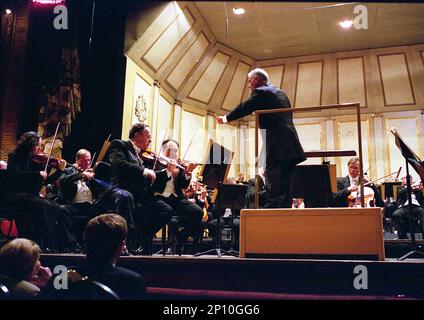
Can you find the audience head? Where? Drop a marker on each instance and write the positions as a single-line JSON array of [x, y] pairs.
[[140, 135], [19, 259], [105, 237], [83, 159]]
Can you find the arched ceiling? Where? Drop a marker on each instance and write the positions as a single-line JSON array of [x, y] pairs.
[[188, 49]]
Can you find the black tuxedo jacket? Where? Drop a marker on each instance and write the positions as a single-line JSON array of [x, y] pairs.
[[125, 283], [180, 182], [340, 197], [24, 176], [403, 197], [262, 192], [127, 169], [282, 141], [68, 185]]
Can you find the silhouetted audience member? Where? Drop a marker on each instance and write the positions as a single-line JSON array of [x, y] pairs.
[[104, 240], [21, 270]]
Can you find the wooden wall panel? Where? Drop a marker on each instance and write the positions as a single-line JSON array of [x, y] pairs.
[[275, 74], [396, 80], [163, 123], [191, 124], [351, 81], [169, 39], [184, 67], [235, 90], [348, 139], [308, 84], [205, 87], [310, 136]]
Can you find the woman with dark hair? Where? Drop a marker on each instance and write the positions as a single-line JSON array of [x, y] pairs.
[[37, 218]]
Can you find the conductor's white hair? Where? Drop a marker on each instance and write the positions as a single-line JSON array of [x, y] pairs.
[[260, 73]]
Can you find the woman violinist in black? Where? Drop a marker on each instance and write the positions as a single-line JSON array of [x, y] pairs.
[[48, 225]]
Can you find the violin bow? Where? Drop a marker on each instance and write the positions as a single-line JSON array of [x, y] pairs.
[[160, 150], [189, 145], [92, 160], [51, 149]]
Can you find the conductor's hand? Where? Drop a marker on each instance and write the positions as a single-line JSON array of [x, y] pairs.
[[220, 120]]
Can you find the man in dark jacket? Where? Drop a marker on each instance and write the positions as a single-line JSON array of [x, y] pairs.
[[168, 188], [350, 184], [79, 192], [132, 188], [104, 240], [282, 146]]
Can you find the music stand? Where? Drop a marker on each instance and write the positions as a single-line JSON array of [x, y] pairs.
[[233, 196], [410, 159], [214, 172]]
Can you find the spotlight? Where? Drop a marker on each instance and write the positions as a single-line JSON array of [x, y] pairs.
[[8, 11], [346, 24], [238, 11]]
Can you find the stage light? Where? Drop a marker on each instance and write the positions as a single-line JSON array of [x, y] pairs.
[[346, 24], [48, 1], [8, 11], [238, 11]]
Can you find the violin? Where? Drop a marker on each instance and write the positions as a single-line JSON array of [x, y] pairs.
[[151, 157], [355, 198], [42, 158]]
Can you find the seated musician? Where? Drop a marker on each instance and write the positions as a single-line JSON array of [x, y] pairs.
[[132, 190], [347, 186], [49, 225], [401, 215], [79, 192], [168, 188], [262, 190]]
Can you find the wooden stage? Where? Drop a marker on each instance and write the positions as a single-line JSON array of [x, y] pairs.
[[253, 278]]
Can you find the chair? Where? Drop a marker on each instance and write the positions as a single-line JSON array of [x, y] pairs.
[[82, 288]]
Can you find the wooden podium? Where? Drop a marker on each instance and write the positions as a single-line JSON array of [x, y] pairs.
[[337, 233]]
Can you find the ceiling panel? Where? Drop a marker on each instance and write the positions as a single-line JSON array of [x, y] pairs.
[[284, 29]]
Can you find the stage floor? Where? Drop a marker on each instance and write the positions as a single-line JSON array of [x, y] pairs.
[[317, 277]]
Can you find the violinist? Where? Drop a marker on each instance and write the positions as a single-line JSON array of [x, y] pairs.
[[400, 216], [348, 188], [132, 189], [49, 226], [79, 192], [168, 187]]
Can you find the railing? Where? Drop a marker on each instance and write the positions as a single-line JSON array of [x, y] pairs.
[[309, 109]]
